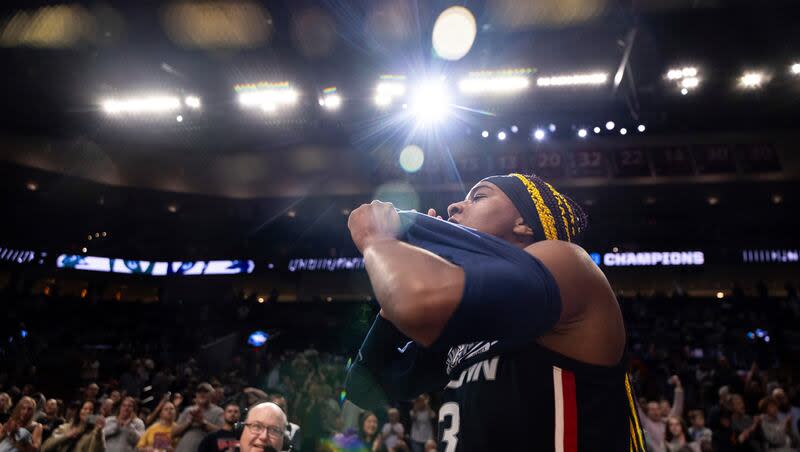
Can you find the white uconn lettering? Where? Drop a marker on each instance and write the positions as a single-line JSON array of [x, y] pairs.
[[487, 369]]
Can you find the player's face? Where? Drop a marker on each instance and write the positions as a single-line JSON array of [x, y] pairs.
[[487, 209]]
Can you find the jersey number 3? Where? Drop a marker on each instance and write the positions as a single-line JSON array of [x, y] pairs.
[[450, 434]]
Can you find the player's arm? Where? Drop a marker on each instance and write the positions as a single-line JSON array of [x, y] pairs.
[[507, 295], [438, 303], [552, 292], [389, 366], [417, 290]]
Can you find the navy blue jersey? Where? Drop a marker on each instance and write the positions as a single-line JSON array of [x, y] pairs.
[[501, 390]]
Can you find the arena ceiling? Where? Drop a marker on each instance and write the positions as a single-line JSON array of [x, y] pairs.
[[60, 61]]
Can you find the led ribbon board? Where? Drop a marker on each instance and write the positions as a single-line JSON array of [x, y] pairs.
[[654, 258], [152, 268], [771, 256], [327, 264], [20, 256]]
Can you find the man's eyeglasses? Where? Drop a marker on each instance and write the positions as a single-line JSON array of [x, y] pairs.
[[258, 429]]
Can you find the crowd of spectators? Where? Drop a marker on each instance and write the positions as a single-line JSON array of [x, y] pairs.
[[716, 375], [705, 381]]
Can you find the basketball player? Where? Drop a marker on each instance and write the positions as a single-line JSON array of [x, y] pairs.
[[500, 310]]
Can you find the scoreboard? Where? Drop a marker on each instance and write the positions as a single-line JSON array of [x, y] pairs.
[[631, 162], [551, 162]]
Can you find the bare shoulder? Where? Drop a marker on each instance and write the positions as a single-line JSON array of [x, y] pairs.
[[566, 261], [590, 313]]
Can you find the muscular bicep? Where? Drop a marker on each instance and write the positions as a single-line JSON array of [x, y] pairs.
[[513, 299]]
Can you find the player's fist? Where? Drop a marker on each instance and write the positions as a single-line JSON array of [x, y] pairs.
[[432, 213], [373, 222]]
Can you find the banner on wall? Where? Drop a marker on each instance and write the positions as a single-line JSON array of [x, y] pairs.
[[329, 264], [653, 258], [778, 256], [21, 256], [153, 268]]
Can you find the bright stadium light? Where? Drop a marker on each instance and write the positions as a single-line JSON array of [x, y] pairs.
[[597, 130], [382, 100], [267, 96], [539, 134], [686, 78], [623, 131], [501, 135], [493, 85], [690, 82], [135, 105], [330, 100], [430, 102], [388, 88], [582, 133], [485, 134], [674, 74], [514, 129], [679, 73], [391, 88], [752, 80], [641, 128], [179, 118], [795, 69], [596, 78], [610, 125], [454, 33], [192, 102]]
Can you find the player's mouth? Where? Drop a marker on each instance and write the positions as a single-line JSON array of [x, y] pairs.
[[453, 220]]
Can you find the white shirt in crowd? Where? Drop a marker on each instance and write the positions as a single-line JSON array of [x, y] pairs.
[[421, 427], [392, 434], [122, 438]]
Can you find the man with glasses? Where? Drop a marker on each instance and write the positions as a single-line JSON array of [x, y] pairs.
[[264, 429]]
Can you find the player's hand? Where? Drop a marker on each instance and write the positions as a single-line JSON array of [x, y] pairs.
[[373, 222], [432, 213]]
